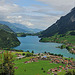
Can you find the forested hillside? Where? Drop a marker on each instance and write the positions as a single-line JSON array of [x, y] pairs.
[[6, 28], [8, 39], [63, 25]]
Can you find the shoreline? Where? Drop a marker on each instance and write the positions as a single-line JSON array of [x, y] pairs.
[[45, 50], [66, 46]]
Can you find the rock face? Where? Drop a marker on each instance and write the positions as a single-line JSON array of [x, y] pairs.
[[8, 39], [64, 24]]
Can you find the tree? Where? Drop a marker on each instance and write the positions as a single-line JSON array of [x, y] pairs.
[[49, 53], [7, 65], [29, 54], [45, 52], [70, 73], [32, 51], [27, 50], [23, 54], [42, 69]]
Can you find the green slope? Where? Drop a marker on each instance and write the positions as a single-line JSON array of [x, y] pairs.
[[62, 38], [68, 39], [63, 31], [8, 39], [6, 28], [64, 24]]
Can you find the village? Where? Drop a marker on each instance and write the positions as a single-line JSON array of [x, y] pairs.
[[66, 63], [69, 64]]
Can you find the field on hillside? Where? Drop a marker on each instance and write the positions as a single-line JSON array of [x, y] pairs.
[[60, 39], [33, 68]]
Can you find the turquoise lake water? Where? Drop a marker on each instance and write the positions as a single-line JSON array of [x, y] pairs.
[[32, 43]]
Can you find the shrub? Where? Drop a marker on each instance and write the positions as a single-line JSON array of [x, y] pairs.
[[23, 54], [32, 51], [42, 69]]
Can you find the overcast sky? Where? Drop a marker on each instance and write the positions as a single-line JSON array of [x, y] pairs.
[[34, 13]]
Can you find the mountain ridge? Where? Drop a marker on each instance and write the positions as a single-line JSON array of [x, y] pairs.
[[19, 28], [64, 24]]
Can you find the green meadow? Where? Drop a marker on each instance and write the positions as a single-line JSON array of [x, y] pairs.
[[60, 39], [33, 68]]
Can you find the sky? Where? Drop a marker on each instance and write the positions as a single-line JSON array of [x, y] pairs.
[[34, 13]]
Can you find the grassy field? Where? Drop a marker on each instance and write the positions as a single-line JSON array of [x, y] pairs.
[[67, 40], [58, 39], [13, 53], [33, 68], [63, 72]]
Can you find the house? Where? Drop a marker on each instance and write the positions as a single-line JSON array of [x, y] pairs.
[[1, 52], [73, 64], [59, 70], [55, 73], [70, 67], [16, 67], [20, 57], [57, 61], [26, 62], [43, 57], [73, 67], [34, 59], [38, 57], [54, 70], [48, 72], [63, 68], [60, 66]]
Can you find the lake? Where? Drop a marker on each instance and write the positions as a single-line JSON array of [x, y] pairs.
[[32, 43]]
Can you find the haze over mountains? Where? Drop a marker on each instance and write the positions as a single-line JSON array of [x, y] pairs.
[[18, 28], [64, 24]]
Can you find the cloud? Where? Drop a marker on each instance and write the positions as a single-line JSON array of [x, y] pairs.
[[29, 24], [7, 9], [61, 5], [17, 17], [35, 16]]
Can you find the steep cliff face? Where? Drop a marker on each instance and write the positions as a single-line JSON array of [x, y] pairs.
[[8, 40], [64, 24]]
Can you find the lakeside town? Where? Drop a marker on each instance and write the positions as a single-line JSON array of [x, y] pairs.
[[65, 64]]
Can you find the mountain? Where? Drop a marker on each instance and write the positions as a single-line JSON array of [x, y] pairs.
[[8, 39], [36, 30], [6, 28], [29, 30], [19, 28], [13, 26], [64, 24]]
